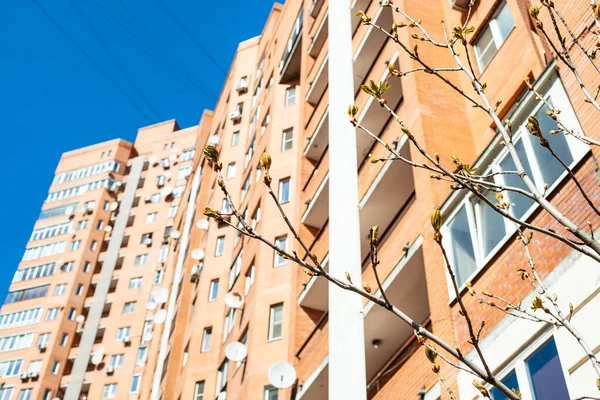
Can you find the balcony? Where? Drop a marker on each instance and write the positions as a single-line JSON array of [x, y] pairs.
[[319, 38], [317, 212], [319, 84], [319, 140], [292, 57], [357, 6], [394, 181], [406, 288], [316, 7], [370, 46]]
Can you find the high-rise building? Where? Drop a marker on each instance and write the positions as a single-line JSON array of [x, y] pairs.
[[127, 291]]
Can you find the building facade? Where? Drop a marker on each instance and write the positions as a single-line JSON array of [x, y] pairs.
[[125, 289]]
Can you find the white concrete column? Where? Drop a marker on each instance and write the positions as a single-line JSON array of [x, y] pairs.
[[347, 377]]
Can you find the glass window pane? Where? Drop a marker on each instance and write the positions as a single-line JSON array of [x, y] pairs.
[[485, 48], [463, 255], [546, 374], [505, 21], [549, 166], [519, 203], [490, 225], [511, 382]]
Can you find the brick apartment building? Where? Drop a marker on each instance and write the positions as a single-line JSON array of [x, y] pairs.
[[121, 290]]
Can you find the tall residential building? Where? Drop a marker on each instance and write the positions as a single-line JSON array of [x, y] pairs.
[[127, 291]]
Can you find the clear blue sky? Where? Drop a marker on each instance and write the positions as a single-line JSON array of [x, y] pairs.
[[54, 99]]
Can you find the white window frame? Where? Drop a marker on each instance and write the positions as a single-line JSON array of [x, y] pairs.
[[287, 141], [289, 194], [290, 100], [272, 322], [231, 169], [206, 340], [213, 290], [109, 391], [220, 246], [134, 386], [551, 86], [249, 279], [497, 38], [279, 261]]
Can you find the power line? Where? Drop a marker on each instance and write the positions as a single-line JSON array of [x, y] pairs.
[[91, 60], [106, 48], [188, 33], [160, 55]]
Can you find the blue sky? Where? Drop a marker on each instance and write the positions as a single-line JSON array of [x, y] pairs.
[[144, 69]]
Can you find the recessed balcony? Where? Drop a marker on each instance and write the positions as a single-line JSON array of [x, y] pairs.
[[371, 45], [406, 288], [319, 140], [292, 57], [316, 7], [358, 5], [318, 40], [315, 293], [319, 83], [317, 212]]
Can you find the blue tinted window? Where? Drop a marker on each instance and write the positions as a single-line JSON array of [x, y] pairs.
[[510, 381], [546, 374]]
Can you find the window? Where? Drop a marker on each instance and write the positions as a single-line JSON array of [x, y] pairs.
[[135, 283], [213, 290], [164, 252], [271, 393], [225, 206], [141, 259], [64, 339], [187, 155], [43, 339], [106, 205], [206, 340], [276, 322], [173, 211], [255, 218], [34, 272], [290, 96], [72, 314], [25, 394], [246, 185], [493, 35], [235, 138], [99, 224], [50, 249], [155, 198], [16, 342], [284, 191], [67, 267], [79, 290], [123, 333], [141, 355], [258, 172], [287, 141], [109, 391], [235, 269], [199, 391], [220, 246], [158, 275], [56, 211], [81, 225], [229, 323], [55, 367], [51, 314], [231, 171], [86, 266], [10, 367], [75, 245], [20, 318], [178, 191], [6, 393], [147, 327], [35, 292], [538, 375], [249, 152], [184, 172], [146, 239], [282, 244], [222, 376], [116, 360], [60, 289], [129, 307], [51, 231], [474, 232], [249, 279], [265, 123], [135, 384], [93, 245], [151, 217], [35, 366]]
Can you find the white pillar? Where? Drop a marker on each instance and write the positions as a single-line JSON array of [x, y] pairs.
[[347, 377]]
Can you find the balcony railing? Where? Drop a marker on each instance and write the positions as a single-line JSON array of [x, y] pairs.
[[291, 61]]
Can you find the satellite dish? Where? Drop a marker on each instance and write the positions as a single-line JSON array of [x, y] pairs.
[[108, 228], [80, 318], [97, 358], [166, 191], [282, 375], [152, 160], [202, 224], [160, 295], [173, 157], [151, 306], [160, 317], [234, 300], [114, 205], [175, 234], [197, 254], [236, 351], [213, 139], [147, 337], [69, 210]]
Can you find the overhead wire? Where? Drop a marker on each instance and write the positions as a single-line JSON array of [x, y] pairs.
[[189, 35], [114, 59], [91, 60]]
